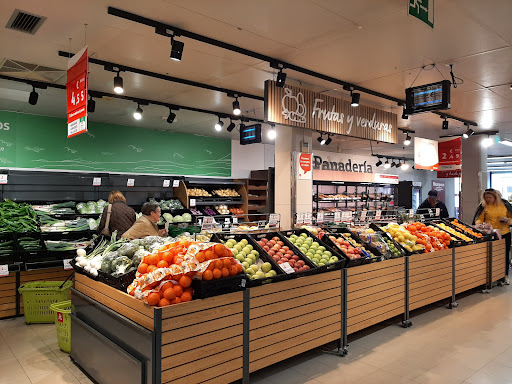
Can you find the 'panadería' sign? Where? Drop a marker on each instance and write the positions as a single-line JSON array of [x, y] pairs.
[[341, 166]]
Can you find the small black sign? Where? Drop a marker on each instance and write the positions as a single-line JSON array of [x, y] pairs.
[[428, 97], [250, 134]]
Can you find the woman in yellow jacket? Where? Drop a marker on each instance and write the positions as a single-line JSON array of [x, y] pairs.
[[498, 213]]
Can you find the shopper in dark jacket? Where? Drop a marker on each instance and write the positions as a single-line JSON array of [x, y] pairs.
[[122, 216], [432, 202]]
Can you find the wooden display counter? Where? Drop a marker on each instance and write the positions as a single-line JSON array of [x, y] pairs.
[[471, 266], [497, 251]]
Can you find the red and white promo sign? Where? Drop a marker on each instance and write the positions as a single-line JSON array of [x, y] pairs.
[[450, 157], [76, 89], [426, 154], [386, 179], [305, 166]]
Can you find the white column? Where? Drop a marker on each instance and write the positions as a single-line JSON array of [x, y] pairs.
[[474, 175]]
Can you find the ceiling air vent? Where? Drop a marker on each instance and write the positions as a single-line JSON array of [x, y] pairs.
[[25, 22]]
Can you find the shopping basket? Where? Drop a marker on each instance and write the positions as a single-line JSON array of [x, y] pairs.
[[39, 295], [63, 323]]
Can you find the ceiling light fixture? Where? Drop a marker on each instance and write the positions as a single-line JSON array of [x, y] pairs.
[[320, 139], [404, 167], [176, 49], [32, 99], [272, 133], [468, 133], [231, 126], [236, 107], [171, 117], [329, 140], [219, 125], [393, 164], [118, 84], [137, 115], [281, 78], [378, 163], [445, 124], [355, 99], [386, 164], [91, 105], [487, 142], [405, 116], [407, 140]]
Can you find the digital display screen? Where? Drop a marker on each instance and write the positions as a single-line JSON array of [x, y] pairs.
[[250, 134], [428, 97]]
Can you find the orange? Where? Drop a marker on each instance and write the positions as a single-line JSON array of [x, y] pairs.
[[186, 296], [224, 272], [185, 281], [164, 302], [219, 264], [207, 275], [178, 290], [153, 298], [189, 290], [153, 259], [219, 250], [162, 264], [169, 294], [200, 256], [209, 255], [211, 265], [168, 256], [143, 268], [217, 273], [227, 263], [239, 267], [151, 268], [233, 270], [176, 300], [178, 260], [177, 277], [166, 286]]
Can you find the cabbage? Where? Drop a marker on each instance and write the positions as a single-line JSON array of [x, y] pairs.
[[187, 217], [168, 217], [178, 219]]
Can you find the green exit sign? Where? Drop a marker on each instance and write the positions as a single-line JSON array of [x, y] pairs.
[[423, 10]]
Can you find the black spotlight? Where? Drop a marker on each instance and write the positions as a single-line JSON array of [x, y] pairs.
[[405, 116], [468, 133], [407, 140], [176, 49], [171, 117], [328, 141], [320, 139], [355, 99], [445, 124], [281, 79], [231, 126], [393, 164], [378, 163], [91, 105], [32, 99], [236, 107], [118, 84]]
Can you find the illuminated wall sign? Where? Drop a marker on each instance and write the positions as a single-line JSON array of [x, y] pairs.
[[300, 107], [428, 97]]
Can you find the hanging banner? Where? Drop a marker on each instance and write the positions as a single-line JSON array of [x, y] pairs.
[[300, 107], [305, 166], [426, 154], [450, 157], [440, 187], [76, 89]]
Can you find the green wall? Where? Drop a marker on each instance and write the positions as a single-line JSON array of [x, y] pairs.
[[32, 141]]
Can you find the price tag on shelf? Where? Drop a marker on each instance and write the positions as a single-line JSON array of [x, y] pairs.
[[192, 202], [287, 268], [308, 218], [273, 219], [422, 217], [96, 182], [227, 220], [438, 212], [320, 217], [66, 263], [337, 217], [300, 218], [4, 270], [430, 212], [262, 224], [167, 183], [3, 179], [208, 223], [130, 183], [346, 215], [235, 220], [378, 214], [363, 215], [411, 213], [175, 183]]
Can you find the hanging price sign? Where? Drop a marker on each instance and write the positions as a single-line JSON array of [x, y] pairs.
[[3, 179], [378, 214], [308, 218], [300, 218], [130, 182], [4, 270], [167, 183], [175, 183], [273, 219], [96, 182], [76, 90], [320, 217], [337, 217]]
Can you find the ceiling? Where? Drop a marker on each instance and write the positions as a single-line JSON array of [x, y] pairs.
[[371, 43]]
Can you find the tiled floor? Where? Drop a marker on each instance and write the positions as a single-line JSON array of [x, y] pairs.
[[471, 344]]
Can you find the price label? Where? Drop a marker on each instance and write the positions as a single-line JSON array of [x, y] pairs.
[[235, 220], [227, 220], [422, 217], [438, 211], [287, 268], [3, 179], [363, 215], [337, 217], [411, 213], [192, 202], [430, 212], [175, 183], [262, 224], [346, 215], [308, 218], [300, 218], [378, 214], [130, 183], [66, 263], [320, 217], [4, 270], [96, 182], [273, 219], [208, 223], [167, 183]]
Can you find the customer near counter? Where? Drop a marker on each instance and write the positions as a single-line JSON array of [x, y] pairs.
[[146, 224], [432, 202], [497, 212], [116, 216]]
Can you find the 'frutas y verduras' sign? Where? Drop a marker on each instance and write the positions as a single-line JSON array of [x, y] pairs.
[[299, 107]]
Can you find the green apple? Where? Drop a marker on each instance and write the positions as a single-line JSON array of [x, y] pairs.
[[255, 268], [238, 247], [333, 259], [260, 274], [240, 258], [328, 253], [245, 264], [254, 277], [255, 253], [248, 261], [252, 257], [316, 244], [266, 267], [242, 253], [235, 251], [250, 247], [322, 248], [321, 264], [269, 274], [309, 254], [303, 235], [249, 271], [246, 250], [244, 241]]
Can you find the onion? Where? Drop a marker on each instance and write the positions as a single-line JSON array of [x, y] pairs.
[[94, 272], [80, 252]]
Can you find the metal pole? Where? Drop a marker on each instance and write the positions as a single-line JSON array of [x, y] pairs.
[[453, 304], [406, 323], [246, 338]]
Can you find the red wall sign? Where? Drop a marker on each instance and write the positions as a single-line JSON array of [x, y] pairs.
[[450, 158], [305, 162], [76, 93]]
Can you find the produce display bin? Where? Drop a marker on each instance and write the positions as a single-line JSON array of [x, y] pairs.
[[474, 238], [33, 256], [458, 242], [63, 324], [338, 232], [485, 236], [39, 295], [12, 256], [204, 289], [471, 266]]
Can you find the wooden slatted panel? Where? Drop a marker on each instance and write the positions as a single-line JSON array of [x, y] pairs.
[[226, 378], [425, 259], [201, 305], [471, 266], [498, 259], [116, 300], [221, 340], [430, 268], [8, 295], [367, 304], [212, 373]]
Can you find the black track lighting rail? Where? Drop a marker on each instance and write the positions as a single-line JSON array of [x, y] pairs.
[[392, 157], [483, 133], [110, 66], [274, 63], [99, 94]]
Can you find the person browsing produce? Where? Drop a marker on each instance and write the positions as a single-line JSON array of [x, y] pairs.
[[146, 224], [497, 212], [432, 202], [121, 217]]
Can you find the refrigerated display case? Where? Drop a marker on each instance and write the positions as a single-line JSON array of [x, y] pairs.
[[408, 194]]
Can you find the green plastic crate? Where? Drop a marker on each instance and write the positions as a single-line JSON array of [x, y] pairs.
[[63, 323], [39, 295]]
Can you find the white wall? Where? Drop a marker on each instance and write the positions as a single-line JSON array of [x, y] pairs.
[[247, 158]]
